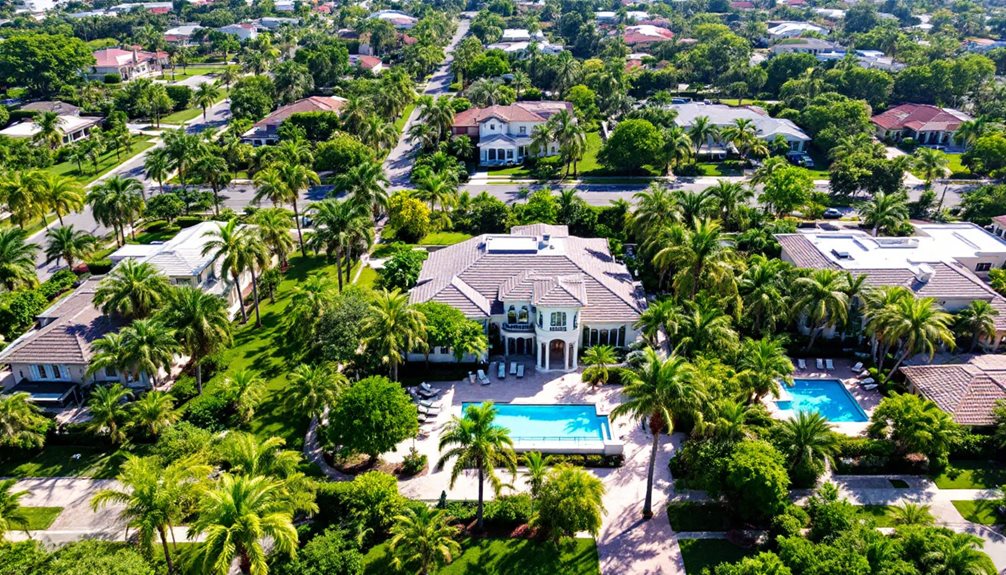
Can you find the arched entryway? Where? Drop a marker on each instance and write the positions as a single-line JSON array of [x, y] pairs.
[[557, 354]]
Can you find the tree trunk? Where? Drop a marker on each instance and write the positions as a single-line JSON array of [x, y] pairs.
[[60, 217], [813, 336], [338, 259], [300, 236], [258, 318], [167, 552], [216, 201], [648, 501], [479, 521], [199, 377], [902, 357], [241, 299]]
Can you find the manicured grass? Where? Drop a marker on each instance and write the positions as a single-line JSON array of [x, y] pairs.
[[879, 514], [181, 116], [587, 167], [972, 474], [983, 512], [158, 232], [400, 122], [688, 516], [384, 250], [443, 238], [699, 554], [106, 162], [717, 169], [523, 556], [57, 461], [190, 71], [740, 102], [367, 277], [40, 518]]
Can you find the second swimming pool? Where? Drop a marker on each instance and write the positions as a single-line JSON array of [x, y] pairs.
[[529, 422], [825, 396]]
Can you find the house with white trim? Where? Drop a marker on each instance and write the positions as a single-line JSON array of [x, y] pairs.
[[723, 116], [503, 133]]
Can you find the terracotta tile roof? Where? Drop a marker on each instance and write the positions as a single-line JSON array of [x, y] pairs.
[[365, 62], [69, 328], [646, 33], [310, 104], [920, 118], [112, 57], [803, 252], [967, 391], [519, 112], [1001, 220], [572, 270]]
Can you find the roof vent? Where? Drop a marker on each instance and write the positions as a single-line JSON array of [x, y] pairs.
[[842, 255], [924, 273]]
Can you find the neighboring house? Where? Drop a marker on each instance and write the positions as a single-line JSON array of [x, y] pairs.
[[722, 116], [266, 130], [284, 6], [35, 7], [865, 58], [74, 128], [927, 125], [833, 14], [983, 45], [813, 46], [742, 5], [275, 22], [181, 34], [399, 20], [785, 30], [967, 391], [61, 108], [152, 7], [50, 361], [606, 17], [372, 64], [128, 64], [538, 291], [942, 261], [181, 259], [644, 34], [520, 35], [243, 31], [522, 50], [999, 226], [503, 133]]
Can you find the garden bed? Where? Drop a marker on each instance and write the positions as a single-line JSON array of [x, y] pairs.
[[688, 516], [494, 555]]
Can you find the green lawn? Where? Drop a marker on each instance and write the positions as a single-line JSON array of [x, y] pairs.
[[190, 71], [587, 167], [400, 122], [983, 512], [106, 162], [698, 517], [516, 556], [957, 169], [740, 102], [40, 518], [367, 277], [879, 514], [58, 461], [972, 474], [181, 116], [157, 232], [717, 169], [699, 554], [443, 238]]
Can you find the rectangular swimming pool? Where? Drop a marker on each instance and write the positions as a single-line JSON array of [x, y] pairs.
[[530, 423], [825, 396]]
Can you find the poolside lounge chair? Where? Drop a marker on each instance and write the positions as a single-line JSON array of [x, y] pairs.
[[429, 389], [501, 370], [867, 381], [483, 379], [428, 411], [520, 370], [423, 418], [426, 394], [802, 364], [820, 363], [829, 365], [426, 403], [870, 387], [513, 368], [858, 366], [864, 373]]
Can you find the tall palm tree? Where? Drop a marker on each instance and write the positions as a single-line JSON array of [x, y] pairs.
[[284, 184], [702, 131], [48, 130], [884, 211], [148, 347], [154, 412], [235, 516], [157, 165], [694, 205], [596, 360], [438, 113], [378, 134], [313, 388], [704, 327], [978, 321], [764, 293], [116, 202], [437, 189], [660, 315], [246, 390], [655, 394], [931, 164], [69, 244], [200, 322], [256, 253], [133, 290], [205, 96], [730, 422], [338, 227], [274, 226], [701, 256], [308, 302], [182, 148], [11, 513], [475, 441], [920, 325], [422, 539], [19, 191], [959, 554], [742, 134], [395, 328], [366, 185], [17, 259], [153, 498], [677, 147], [226, 243], [808, 440], [729, 196], [763, 365], [879, 303], [821, 300], [212, 169], [108, 412], [60, 194], [22, 424]]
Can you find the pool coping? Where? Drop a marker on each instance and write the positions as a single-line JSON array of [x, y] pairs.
[[848, 394], [609, 446], [849, 428]]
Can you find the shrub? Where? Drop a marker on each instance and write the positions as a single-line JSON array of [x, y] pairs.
[[510, 510], [970, 445], [182, 440], [112, 79], [373, 500], [18, 311], [401, 270], [546, 168], [333, 552], [180, 95], [58, 283], [413, 463], [790, 522], [99, 267], [184, 389], [210, 411], [755, 481], [371, 417]]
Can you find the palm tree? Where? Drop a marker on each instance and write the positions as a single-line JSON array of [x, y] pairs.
[[596, 360], [476, 442], [395, 328], [19, 190], [61, 194], [701, 256], [437, 189], [157, 165], [931, 164], [655, 393], [212, 169], [920, 325], [69, 244], [763, 365], [978, 321], [694, 205], [365, 183], [116, 202], [701, 131], [108, 412], [308, 302], [808, 440], [677, 147], [17, 259], [884, 212], [313, 388], [246, 390], [148, 347], [660, 315], [153, 498], [730, 422], [743, 134], [537, 467], [154, 412], [48, 130], [22, 424], [704, 327], [379, 134], [182, 148], [235, 516], [763, 292], [438, 113], [422, 539], [283, 184], [908, 513], [133, 290], [959, 554], [821, 300], [338, 227], [852, 144], [274, 227], [205, 96], [227, 246], [256, 254], [729, 196], [11, 513], [200, 322]]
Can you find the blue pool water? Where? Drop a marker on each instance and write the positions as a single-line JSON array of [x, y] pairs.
[[551, 422], [825, 396]]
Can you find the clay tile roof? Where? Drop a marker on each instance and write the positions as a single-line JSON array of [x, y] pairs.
[[804, 253], [311, 104], [921, 118], [520, 112], [1001, 220], [968, 392], [645, 33]]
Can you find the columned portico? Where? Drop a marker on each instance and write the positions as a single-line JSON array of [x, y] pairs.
[[559, 353]]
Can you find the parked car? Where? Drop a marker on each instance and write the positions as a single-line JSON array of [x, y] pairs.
[[832, 214], [800, 159]]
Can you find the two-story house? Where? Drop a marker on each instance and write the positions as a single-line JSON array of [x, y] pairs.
[[503, 133], [539, 292]]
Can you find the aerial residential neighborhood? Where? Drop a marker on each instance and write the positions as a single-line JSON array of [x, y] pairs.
[[564, 287]]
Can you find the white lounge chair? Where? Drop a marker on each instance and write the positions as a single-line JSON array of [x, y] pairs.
[[513, 368], [520, 370], [820, 363], [426, 394], [802, 364], [501, 370], [829, 365], [482, 377], [858, 366], [864, 373], [428, 411], [867, 381], [429, 389], [870, 387], [426, 403]]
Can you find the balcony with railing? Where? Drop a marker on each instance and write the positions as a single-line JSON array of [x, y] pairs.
[[518, 327]]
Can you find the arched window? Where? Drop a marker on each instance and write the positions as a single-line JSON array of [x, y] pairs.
[[558, 319], [576, 320], [522, 316], [539, 319], [511, 315]]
